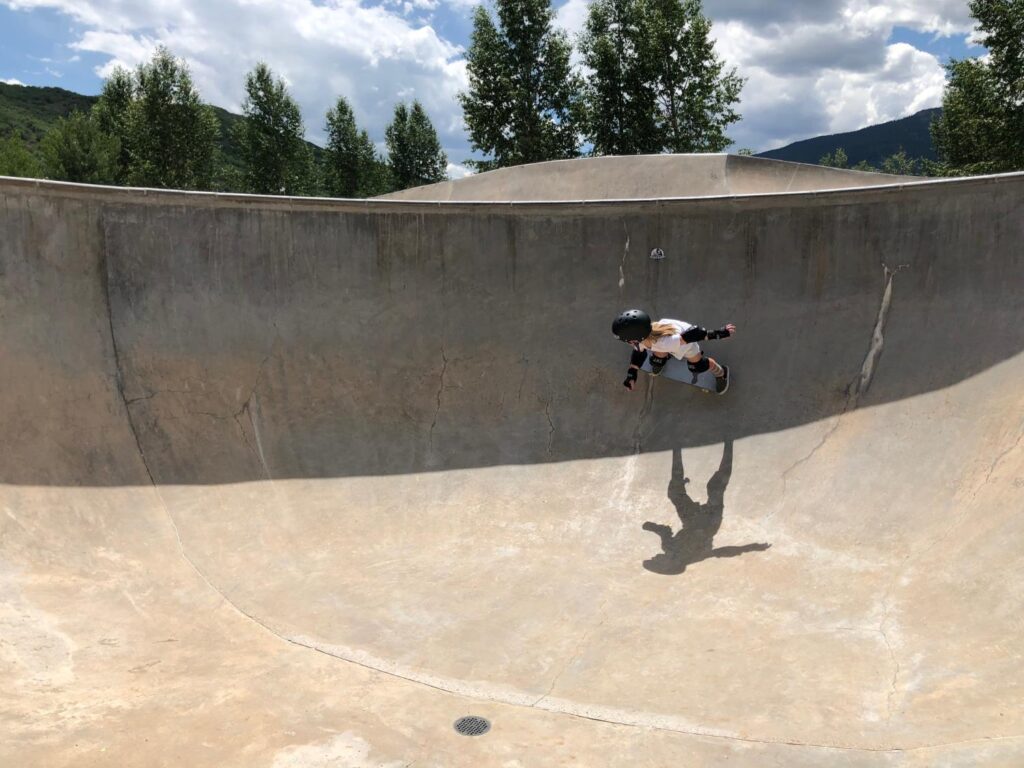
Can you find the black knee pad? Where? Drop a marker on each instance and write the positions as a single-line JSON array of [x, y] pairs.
[[700, 366], [657, 363]]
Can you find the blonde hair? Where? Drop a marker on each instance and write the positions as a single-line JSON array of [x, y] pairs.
[[660, 330]]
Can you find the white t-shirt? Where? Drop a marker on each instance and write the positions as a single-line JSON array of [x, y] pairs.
[[674, 344]]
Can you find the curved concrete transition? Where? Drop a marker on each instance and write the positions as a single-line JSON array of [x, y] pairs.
[[646, 177], [300, 482]]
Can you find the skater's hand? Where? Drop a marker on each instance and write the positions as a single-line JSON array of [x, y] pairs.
[[724, 332], [630, 381]]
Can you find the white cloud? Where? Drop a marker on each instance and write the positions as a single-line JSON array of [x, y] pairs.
[[826, 67], [910, 81], [372, 55], [812, 66], [457, 171], [11, 81]]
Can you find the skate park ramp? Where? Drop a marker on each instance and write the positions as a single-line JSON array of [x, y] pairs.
[[645, 177], [299, 483]]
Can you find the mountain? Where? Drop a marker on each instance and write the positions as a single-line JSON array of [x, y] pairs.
[[873, 144], [29, 112]]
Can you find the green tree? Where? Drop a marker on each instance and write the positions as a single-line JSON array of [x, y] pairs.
[[16, 160], [112, 113], [76, 149], [620, 96], [167, 136], [899, 164], [971, 134], [173, 134], [981, 128], [695, 93], [837, 159], [656, 83], [351, 165], [272, 138], [415, 156], [523, 101]]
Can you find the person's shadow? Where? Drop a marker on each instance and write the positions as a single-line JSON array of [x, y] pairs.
[[700, 522]]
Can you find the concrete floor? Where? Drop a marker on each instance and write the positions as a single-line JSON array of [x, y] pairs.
[[298, 483]]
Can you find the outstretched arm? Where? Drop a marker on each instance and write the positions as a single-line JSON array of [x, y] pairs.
[[663, 531], [699, 333]]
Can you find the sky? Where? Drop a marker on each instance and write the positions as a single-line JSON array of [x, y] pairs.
[[811, 66]]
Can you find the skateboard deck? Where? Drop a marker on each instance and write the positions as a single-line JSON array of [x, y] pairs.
[[677, 371]]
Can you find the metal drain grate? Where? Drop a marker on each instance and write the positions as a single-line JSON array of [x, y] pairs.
[[472, 726]]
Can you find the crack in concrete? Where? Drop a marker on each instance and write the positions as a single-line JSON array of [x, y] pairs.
[[622, 264], [525, 363], [862, 382], [551, 425], [867, 370], [118, 369], [645, 411], [887, 614], [1002, 455], [440, 392], [577, 651], [250, 408]]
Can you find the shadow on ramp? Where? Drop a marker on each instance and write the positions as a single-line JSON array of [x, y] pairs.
[[694, 541]]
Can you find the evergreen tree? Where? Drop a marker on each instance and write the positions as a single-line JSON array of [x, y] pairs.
[[16, 160], [523, 101], [415, 156], [272, 138], [76, 149], [351, 165]]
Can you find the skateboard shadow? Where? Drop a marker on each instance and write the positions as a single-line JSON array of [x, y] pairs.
[[700, 522]]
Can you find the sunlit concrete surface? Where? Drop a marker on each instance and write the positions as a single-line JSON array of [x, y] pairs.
[[298, 483]]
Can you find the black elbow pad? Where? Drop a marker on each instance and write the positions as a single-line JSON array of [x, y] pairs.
[[637, 357], [697, 333]]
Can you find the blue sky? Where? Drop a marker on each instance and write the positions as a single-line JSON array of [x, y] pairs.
[[812, 66]]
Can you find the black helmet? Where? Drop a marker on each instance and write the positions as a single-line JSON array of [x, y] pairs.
[[632, 325]]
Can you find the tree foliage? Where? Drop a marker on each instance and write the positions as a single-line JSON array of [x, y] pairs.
[[112, 114], [695, 93], [276, 158], [620, 96], [415, 156], [16, 160], [522, 105], [981, 129], [837, 159], [351, 165], [167, 135], [77, 149], [897, 164]]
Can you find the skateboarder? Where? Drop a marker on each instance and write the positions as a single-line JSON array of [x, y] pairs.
[[668, 337]]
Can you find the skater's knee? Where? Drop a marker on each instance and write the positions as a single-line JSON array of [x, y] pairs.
[[698, 366]]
